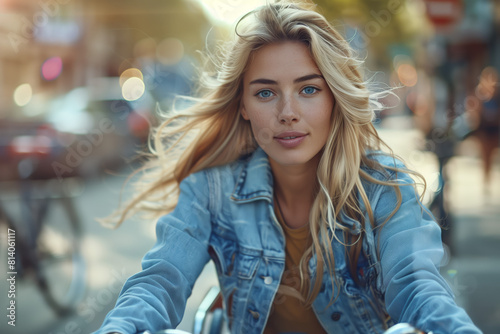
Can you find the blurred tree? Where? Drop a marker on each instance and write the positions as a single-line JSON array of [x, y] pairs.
[[381, 25]]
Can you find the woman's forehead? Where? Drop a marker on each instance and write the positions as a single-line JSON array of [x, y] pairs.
[[283, 60]]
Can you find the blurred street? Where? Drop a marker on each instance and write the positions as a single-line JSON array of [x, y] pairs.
[[473, 271], [82, 83], [113, 255]]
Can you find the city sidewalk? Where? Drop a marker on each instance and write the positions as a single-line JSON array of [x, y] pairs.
[[473, 271]]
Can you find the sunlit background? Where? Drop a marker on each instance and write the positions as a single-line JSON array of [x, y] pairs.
[[82, 82]]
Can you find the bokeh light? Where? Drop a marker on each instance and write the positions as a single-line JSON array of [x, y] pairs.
[[23, 94], [228, 12], [130, 73], [52, 68], [170, 51], [125, 64], [487, 84], [407, 74], [133, 89]]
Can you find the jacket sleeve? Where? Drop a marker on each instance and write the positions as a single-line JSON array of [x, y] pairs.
[[155, 298], [410, 251]]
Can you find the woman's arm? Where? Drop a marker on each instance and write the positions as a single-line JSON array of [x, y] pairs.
[[155, 298], [410, 254]]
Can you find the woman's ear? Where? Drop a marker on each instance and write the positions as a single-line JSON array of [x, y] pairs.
[[243, 112]]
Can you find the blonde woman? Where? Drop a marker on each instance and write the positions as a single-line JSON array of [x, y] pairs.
[[276, 174]]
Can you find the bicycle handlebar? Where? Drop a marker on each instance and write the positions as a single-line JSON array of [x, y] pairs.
[[402, 328], [168, 331]]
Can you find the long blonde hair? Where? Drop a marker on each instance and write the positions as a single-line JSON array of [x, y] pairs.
[[212, 132]]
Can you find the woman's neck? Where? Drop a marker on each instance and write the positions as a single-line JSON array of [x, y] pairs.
[[295, 188]]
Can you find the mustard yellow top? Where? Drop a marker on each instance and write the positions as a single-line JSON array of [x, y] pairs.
[[288, 313]]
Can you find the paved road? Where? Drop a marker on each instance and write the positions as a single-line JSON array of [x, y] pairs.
[[113, 255]]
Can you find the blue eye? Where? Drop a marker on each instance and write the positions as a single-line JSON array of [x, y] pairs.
[[266, 93], [310, 90]]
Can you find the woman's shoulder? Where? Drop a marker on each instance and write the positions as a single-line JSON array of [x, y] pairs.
[[381, 162], [385, 167], [225, 174]]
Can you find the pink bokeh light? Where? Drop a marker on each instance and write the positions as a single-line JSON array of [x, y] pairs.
[[52, 68]]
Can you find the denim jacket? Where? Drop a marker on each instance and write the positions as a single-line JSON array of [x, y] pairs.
[[226, 214]]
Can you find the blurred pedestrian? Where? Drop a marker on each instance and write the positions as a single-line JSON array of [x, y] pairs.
[[276, 174], [488, 121], [441, 110], [433, 116]]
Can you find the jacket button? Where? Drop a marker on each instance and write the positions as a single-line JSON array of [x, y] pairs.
[[268, 280], [336, 316], [255, 315]]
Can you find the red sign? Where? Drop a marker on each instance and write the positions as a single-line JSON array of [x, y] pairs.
[[443, 13]]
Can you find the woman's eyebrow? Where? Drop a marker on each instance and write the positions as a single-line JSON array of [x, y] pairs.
[[273, 82], [263, 81], [308, 77]]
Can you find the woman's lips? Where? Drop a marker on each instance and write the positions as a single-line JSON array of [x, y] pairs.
[[290, 139]]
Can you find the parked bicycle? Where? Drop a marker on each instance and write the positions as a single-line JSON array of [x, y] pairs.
[[47, 235], [38, 214]]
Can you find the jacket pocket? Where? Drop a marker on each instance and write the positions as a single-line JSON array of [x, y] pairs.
[[246, 263], [232, 259]]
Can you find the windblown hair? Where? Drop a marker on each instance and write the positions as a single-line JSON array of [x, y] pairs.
[[212, 132]]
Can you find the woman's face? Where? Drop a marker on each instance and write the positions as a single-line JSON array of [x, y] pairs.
[[287, 102]]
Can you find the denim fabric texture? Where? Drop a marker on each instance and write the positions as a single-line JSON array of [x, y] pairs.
[[226, 214]]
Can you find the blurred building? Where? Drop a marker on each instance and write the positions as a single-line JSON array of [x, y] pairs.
[[30, 33], [56, 45]]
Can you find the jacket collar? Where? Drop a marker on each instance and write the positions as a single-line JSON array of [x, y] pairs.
[[255, 180]]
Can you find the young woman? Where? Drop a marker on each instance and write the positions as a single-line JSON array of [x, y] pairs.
[[277, 176]]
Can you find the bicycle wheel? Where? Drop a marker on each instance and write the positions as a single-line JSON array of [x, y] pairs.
[[60, 267]]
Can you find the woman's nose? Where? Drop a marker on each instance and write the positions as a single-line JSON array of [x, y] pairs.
[[288, 112]]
